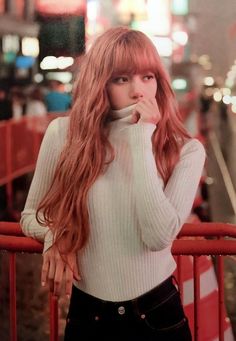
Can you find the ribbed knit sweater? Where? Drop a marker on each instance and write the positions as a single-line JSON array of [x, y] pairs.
[[133, 217]]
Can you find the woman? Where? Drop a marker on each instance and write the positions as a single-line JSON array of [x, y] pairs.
[[114, 183]]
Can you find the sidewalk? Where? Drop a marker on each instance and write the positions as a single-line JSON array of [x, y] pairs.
[[221, 169]]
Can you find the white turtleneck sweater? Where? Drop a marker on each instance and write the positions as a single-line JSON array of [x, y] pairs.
[[133, 218]]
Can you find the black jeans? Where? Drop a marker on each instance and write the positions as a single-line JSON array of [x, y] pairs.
[[155, 316]]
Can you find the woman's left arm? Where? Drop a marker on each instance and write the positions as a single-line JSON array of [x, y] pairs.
[[162, 211]]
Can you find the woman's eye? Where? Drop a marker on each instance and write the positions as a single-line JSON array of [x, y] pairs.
[[147, 77], [120, 79]]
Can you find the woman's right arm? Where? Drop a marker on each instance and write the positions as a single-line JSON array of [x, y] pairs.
[[49, 153], [56, 267]]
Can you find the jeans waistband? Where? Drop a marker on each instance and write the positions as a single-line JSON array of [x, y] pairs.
[[84, 303]]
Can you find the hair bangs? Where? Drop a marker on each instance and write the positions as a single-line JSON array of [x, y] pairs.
[[134, 57]]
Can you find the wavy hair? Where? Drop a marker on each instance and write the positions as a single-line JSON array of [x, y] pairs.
[[87, 151]]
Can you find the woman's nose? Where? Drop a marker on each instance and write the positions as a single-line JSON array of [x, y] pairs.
[[136, 90], [137, 95]]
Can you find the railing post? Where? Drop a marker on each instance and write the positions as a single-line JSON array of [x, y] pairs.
[[12, 291], [53, 317], [220, 270], [180, 275], [196, 296]]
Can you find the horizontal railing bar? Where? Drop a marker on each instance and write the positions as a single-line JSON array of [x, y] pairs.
[[20, 244], [208, 230], [10, 229], [188, 229], [204, 247], [180, 246], [17, 173]]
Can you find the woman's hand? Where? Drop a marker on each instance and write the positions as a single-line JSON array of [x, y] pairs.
[[147, 111], [58, 269]]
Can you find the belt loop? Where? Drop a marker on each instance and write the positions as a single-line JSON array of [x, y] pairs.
[[175, 281], [136, 306]]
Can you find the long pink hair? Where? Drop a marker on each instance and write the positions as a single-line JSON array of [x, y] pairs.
[[87, 151]]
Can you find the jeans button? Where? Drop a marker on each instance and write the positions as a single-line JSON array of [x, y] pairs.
[[121, 310]]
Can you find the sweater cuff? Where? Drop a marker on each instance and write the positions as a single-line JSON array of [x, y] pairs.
[[141, 134], [48, 240]]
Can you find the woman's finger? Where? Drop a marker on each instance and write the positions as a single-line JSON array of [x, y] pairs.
[[76, 273], [51, 275], [149, 111], [135, 117], [44, 272], [68, 280], [59, 271]]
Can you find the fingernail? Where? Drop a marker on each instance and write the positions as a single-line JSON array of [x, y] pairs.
[[68, 296], [43, 284]]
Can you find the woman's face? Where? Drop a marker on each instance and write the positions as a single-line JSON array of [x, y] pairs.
[[127, 89]]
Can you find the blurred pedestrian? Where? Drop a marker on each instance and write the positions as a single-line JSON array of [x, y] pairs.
[[205, 102], [6, 110], [18, 99], [35, 105], [57, 100], [114, 183], [223, 109], [6, 113]]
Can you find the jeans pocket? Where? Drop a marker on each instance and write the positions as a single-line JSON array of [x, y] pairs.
[[79, 329], [167, 316], [71, 331]]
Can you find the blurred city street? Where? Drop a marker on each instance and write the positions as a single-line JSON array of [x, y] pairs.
[[42, 44], [221, 167], [221, 170]]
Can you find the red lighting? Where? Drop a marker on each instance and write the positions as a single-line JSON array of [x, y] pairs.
[[55, 7]]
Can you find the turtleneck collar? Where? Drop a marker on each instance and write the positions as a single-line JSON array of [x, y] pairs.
[[122, 115]]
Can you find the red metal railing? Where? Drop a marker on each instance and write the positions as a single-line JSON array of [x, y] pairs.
[[219, 246], [19, 145], [12, 240]]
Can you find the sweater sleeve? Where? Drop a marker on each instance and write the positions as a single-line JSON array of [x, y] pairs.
[[162, 212], [45, 167]]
